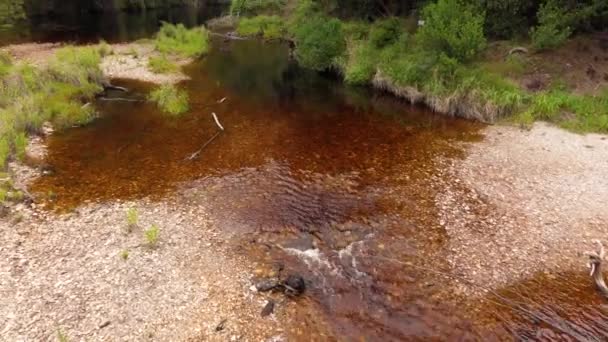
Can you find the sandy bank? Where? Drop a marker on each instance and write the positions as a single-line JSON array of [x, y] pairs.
[[127, 61], [521, 202]]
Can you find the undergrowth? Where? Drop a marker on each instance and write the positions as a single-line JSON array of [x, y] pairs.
[[162, 65], [269, 27], [179, 40], [170, 99], [59, 93]]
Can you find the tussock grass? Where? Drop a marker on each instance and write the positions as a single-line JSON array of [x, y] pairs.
[[179, 40], [269, 27], [162, 65], [30, 96], [170, 99]]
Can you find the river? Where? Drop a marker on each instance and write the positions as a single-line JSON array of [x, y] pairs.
[[335, 183]]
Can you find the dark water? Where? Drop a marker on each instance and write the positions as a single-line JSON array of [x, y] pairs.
[[75, 26], [332, 182]]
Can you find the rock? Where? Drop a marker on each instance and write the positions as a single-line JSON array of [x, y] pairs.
[[294, 285], [266, 285], [268, 308]]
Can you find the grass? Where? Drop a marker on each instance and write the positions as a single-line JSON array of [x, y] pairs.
[[179, 40], [162, 65], [151, 235], [132, 218], [124, 254], [170, 99], [269, 27], [61, 336]]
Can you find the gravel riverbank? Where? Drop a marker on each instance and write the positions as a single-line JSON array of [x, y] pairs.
[[522, 202]]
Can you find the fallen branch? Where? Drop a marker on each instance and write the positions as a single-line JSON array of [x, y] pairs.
[[124, 99], [217, 122], [518, 49], [595, 263], [113, 87]]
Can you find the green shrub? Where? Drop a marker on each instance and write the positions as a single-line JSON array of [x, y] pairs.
[[385, 32], [161, 65], [361, 65], [553, 29], [170, 99], [254, 7], [177, 39], [270, 27], [318, 42], [454, 28], [355, 30]]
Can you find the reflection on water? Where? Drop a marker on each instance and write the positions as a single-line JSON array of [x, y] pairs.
[[332, 182], [74, 25]]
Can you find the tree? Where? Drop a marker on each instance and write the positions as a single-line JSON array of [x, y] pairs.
[[11, 11]]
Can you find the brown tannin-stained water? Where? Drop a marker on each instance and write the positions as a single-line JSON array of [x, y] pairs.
[[334, 183]]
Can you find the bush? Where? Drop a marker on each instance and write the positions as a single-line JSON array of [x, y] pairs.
[[361, 65], [270, 27], [177, 39], [254, 7], [385, 32], [318, 42], [170, 99], [454, 28], [553, 29], [355, 30], [161, 65]]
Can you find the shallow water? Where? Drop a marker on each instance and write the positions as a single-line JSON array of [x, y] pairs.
[[331, 182]]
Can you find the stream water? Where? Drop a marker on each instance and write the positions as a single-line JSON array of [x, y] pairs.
[[334, 183]]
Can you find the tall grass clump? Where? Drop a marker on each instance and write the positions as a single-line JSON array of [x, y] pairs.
[[170, 99], [30, 96], [270, 27], [177, 39], [161, 65]]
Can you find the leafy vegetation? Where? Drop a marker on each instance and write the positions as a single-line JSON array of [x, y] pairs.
[[170, 99], [269, 27], [253, 7], [161, 65], [179, 40], [319, 41], [30, 96], [553, 29], [453, 28]]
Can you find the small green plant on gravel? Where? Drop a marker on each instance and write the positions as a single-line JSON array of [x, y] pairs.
[[151, 235], [177, 39], [104, 48], [170, 99], [61, 336], [132, 218], [162, 65], [124, 254]]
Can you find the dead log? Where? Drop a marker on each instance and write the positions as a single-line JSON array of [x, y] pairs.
[[595, 263]]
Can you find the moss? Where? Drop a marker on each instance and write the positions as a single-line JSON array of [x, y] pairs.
[[162, 65], [170, 99], [177, 39]]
